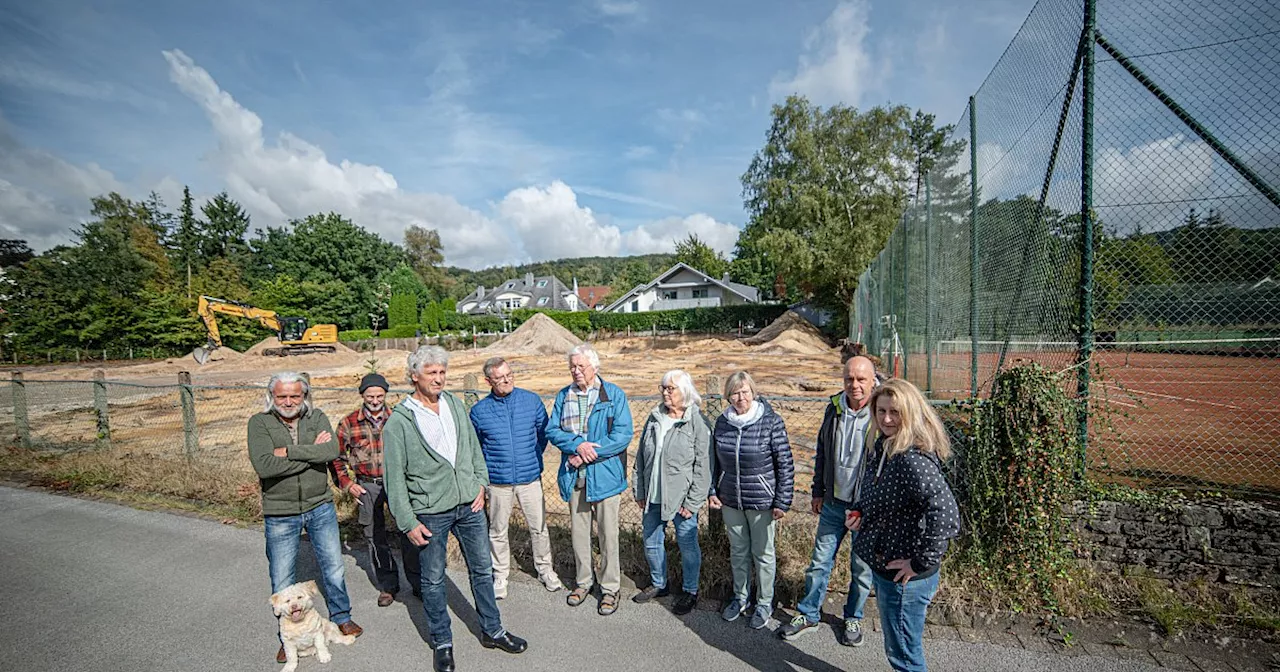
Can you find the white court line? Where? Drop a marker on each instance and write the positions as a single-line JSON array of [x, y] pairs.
[[1193, 401]]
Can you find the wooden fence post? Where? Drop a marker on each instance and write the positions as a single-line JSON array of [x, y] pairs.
[[20, 422], [191, 439], [103, 440], [471, 394]]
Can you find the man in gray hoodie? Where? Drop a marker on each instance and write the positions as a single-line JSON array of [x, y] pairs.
[[846, 435]]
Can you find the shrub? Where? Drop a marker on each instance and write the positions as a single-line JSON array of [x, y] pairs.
[[577, 322], [355, 335], [402, 310], [722, 319]]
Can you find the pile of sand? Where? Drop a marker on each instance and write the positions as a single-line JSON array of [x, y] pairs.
[[264, 344], [539, 335], [791, 334]]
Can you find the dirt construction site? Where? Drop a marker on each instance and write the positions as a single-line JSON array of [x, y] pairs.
[[790, 361]]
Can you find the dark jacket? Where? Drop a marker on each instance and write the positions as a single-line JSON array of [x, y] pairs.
[[300, 482], [908, 511], [752, 467], [609, 426], [824, 457], [513, 434]]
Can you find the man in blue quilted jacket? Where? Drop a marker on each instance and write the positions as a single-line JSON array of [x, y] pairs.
[[512, 426]]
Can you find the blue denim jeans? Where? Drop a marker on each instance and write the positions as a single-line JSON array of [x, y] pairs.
[[655, 548], [472, 531], [902, 610], [826, 546], [284, 536]]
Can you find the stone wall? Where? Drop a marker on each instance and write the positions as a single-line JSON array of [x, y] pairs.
[[1223, 541]]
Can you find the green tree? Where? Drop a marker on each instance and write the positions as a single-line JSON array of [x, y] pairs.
[[184, 238], [403, 310], [426, 255], [14, 252], [694, 252], [225, 224], [825, 191]]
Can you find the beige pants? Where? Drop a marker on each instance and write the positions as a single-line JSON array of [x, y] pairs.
[[605, 513], [501, 501]]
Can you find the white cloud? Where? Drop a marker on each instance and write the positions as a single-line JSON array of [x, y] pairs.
[[835, 66], [615, 8], [551, 224], [293, 178], [42, 197], [637, 152], [662, 235]]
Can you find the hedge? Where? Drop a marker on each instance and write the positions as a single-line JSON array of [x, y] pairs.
[[577, 322], [402, 311], [355, 335], [722, 319]]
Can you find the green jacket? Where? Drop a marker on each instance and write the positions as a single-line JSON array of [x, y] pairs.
[[418, 479], [300, 482]]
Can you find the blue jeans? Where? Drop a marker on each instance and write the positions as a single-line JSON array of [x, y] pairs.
[[826, 546], [472, 531], [902, 610], [655, 548], [283, 539]]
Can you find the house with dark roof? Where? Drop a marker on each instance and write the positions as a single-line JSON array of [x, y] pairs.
[[592, 297], [545, 292], [683, 286]]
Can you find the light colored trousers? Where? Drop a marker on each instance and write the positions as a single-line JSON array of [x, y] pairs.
[[751, 540], [605, 513], [532, 503]]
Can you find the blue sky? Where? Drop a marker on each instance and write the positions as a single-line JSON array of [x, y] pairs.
[[520, 130]]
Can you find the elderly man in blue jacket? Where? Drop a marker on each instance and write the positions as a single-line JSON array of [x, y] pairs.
[[591, 425], [512, 425]]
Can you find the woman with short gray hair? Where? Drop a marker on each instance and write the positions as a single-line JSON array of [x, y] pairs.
[[752, 481], [671, 476]]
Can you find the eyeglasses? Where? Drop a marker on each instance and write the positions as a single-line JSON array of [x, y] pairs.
[[579, 367], [502, 379], [668, 388]]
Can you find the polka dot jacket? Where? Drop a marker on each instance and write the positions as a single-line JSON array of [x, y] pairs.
[[908, 511]]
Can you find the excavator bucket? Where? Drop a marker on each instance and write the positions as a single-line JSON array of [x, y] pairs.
[[202, 353]]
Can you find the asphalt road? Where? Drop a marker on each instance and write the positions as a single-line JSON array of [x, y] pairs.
[[91, 586]]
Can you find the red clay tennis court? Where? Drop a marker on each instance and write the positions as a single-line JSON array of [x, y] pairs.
[[1178, 419]]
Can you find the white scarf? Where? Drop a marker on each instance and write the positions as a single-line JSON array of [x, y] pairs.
[[750, 417]]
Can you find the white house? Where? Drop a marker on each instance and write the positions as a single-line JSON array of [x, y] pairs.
[[683, 286], [542, 292]]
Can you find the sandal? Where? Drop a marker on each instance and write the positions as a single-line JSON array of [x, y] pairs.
[[608, 604], [577, 596]]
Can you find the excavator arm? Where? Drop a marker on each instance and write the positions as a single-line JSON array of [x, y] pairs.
[[207, 309]]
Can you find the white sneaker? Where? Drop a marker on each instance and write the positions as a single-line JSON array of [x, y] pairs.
[[552, 583], [499, 593]]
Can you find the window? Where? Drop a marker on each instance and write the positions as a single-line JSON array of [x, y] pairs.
[[635, 306], [510, 285], [542, 300], [541, 283], [700, 293], [669, 294]]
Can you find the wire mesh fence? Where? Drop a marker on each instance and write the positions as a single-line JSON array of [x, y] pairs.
[[1110, 196], [208, 424]]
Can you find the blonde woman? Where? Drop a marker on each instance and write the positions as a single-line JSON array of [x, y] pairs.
[[752, 478], [671, 477], [904, 517]]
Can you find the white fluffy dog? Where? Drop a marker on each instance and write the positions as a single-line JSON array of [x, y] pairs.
[[303, 631]]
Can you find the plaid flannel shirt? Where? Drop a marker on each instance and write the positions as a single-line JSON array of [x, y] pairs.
[[360, 446]]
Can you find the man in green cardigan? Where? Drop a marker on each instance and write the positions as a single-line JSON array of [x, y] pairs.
[[290, 446], [436, 479]]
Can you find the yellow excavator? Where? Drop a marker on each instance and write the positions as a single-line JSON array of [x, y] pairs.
[[296, 336]]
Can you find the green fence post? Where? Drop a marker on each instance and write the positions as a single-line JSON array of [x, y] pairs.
[[904, 331], [190, 437], [103, 439], [973, 246], [928, 285], [20, 422], [1086, 237]]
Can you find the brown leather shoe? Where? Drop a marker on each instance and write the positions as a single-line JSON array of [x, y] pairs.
[[350, 628], [280, 657], [385, 599]]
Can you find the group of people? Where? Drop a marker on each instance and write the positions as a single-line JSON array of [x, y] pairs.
[[441, 468]]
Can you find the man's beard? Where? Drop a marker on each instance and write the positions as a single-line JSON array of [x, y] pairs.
[[290, 413], [375, 409]]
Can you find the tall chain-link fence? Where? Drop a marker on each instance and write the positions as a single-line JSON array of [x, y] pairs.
[[1110, 196], [207, 424]]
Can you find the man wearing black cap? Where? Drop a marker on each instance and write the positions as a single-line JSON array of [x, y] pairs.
[[359, 472]]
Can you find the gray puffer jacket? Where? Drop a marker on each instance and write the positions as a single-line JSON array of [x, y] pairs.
[[752, 469]]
